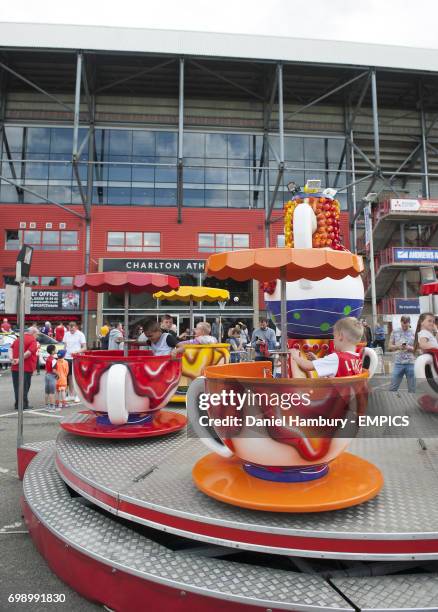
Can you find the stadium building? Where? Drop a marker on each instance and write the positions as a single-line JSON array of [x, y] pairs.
[[125, 149]]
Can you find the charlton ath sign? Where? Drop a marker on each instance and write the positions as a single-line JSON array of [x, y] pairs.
[[164, 266]]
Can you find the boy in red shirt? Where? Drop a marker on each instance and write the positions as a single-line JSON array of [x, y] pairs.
[[344, 361], [50, 379]]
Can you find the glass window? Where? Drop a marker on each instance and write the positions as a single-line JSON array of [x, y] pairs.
[[120, 142], [50, 241], [38, 140], [66, 281], [34, 280], [62, 141], [206, 240], [15, 139], [143, 174], [240, 241], [165, 197], [69, 240], [48, 281], [142, 197], [314, 149], [216, 145], [143, 143], [216, 175], [116, 238], [32, 237], [238, 146], [166, 144], [216, 198], [119, 195], [37, 169], [294, 148], [193, 174], [167, 172], [194, 197], [151, 241], [134, 241], [194, 144], [280, 240], [238, 199], [12, 240]]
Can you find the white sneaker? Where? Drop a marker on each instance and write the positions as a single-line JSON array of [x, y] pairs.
[[70, 398], [76, 400]]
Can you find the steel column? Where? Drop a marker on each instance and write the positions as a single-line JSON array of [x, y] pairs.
[[77, 109], [375, 118], [425, 164], [281, 165], [180, 166]]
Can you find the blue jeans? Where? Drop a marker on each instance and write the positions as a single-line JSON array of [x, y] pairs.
[[400, 370]]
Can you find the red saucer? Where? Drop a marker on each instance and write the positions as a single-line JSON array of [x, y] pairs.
[[163, 423]]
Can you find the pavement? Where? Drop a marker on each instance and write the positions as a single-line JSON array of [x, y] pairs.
[[22, 569]]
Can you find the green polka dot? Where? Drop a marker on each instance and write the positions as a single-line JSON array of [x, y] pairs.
[[324, 326], [297, 315], [347, 310]]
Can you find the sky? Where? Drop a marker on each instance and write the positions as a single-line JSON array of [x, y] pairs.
[[395, 22]]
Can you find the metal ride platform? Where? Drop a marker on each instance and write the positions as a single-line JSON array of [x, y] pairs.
[[123, 523]]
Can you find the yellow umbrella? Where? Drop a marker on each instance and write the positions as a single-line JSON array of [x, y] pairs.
[[194, 294]]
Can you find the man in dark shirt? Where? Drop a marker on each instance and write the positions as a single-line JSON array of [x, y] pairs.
[[30, 362]]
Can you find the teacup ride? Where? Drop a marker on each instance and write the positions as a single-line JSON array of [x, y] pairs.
[[426, 365], [125, 390], [197, 357], [269, 455]]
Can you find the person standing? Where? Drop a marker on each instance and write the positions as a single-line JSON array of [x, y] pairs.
[[263, 340], [30, 361], [401, 341], [244, 334], [60, 330], [75, 342], [62, 370], [379, 336], [115, 337], [367, 333]]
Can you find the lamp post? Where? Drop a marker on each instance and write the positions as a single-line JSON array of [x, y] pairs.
[[22, 273]]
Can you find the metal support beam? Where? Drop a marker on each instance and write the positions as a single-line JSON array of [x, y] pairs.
[[280, 112], [281, 165], [326, 95], [227, 80], [180, 167], [35, 86], [268, 108], [375, 118], [77, 106], [425, 164]]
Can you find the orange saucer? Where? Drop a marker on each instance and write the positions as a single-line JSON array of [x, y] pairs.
[[350, 481]]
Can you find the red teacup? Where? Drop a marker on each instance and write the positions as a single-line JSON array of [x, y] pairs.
[[140, 383]]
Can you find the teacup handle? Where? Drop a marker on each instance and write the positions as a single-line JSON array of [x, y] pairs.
[[115, 394], [374, 360], [195, 389]]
